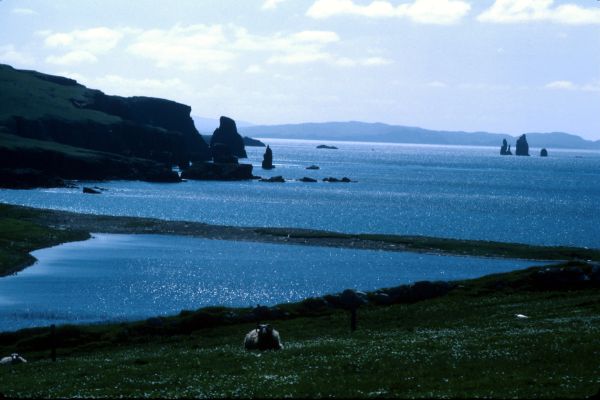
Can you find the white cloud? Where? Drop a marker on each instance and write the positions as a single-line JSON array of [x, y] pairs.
[[214, 48], [23, 11], [562, 85], [568, 85], [271, 4], [515, 11], [421, 11], [254, 69], [186, 47], [73, 58], [95, 40], [10, 55]]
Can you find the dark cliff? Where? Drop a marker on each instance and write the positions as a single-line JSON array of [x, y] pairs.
[[58, 109]]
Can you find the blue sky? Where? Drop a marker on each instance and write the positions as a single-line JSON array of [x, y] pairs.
[[496, 65]]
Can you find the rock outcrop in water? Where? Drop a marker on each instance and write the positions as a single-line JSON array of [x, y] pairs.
[[218, 172], [268, 159], [274, 179], [505, 149], [222, 155], [228, 135], [544, 153], [522, 146]]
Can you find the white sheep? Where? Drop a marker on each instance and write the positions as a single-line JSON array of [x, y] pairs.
[[14, 358], [264, 337]]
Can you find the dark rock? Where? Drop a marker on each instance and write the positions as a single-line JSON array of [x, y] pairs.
[[324, 146], [313, 167], [505, 149], [227, 134], [268, 159], [274, 179], [89, 190], [336, 180], [222, 154], [544, 153], [522, 146], [307, 179], [218, 172], [249, 142]]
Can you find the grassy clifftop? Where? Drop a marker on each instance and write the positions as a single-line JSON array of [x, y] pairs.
[[58, 109], [33, 95]]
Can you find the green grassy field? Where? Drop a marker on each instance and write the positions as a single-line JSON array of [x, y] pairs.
[[30, 95], [466, 344]]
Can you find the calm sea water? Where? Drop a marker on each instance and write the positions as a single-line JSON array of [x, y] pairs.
[[123, 277], [446, 191]]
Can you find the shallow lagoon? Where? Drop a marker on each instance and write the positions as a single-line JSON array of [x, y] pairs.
[[125, 277], [444, 191]]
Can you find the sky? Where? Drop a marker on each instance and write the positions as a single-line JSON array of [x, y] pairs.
[[508, 66]]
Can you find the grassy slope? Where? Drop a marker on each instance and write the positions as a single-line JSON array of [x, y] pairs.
[[18, 237], [24, 94], [466, 344]]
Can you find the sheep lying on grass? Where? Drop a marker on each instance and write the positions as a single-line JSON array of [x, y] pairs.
[[14, 358], [264, 337]]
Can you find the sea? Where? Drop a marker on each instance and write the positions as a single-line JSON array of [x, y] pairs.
[[442, 191]]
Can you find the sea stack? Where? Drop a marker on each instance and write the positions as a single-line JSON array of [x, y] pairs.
[[268, 159], [522, 146], [504, 148], [228, 135], [544, 153]]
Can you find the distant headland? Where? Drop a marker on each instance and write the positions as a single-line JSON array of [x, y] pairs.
[[378, 132]]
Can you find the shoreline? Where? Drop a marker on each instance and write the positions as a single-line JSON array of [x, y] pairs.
[[65, 226]]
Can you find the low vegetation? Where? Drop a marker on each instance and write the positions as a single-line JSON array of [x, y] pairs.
[[478, 248], [469, 343]]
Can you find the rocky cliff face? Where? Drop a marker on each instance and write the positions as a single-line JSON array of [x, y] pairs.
[[228, 135], [61, 110]]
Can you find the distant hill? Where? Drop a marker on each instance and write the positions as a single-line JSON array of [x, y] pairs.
[[378, 132]]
